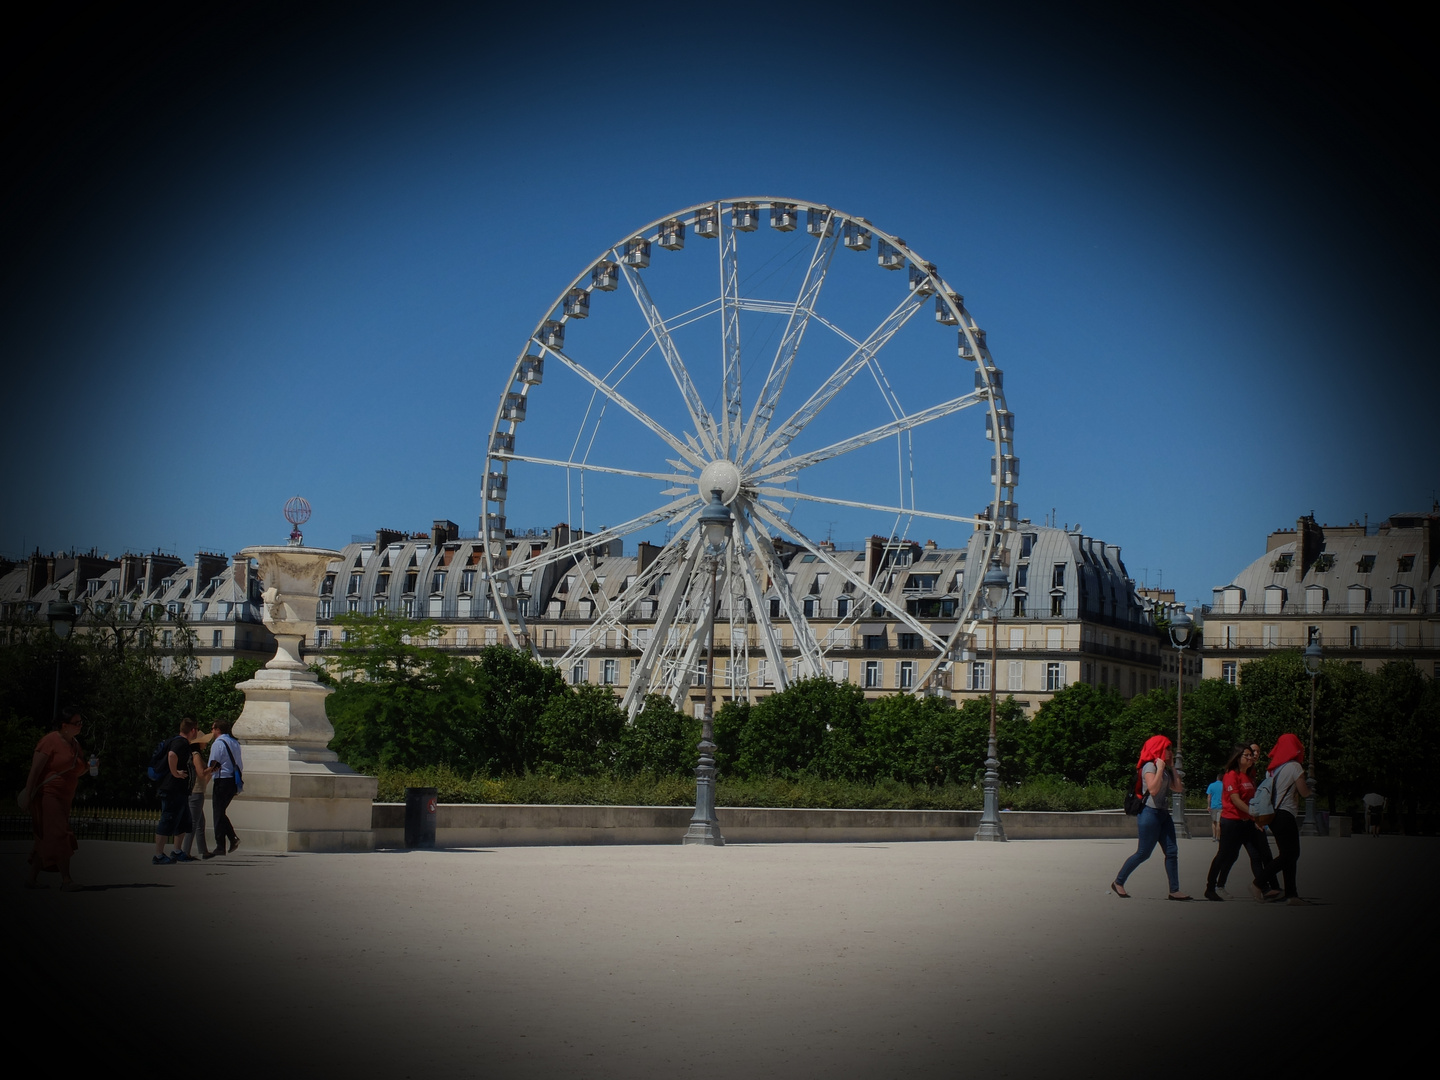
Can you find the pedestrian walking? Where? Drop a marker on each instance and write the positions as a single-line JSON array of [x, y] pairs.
[[1216, 791], [1287, 767], [200, 774], [174, 796], [229, 782], [1155, 778], [1374, 811], [55, 770], [1237, 830], [1263, 885]]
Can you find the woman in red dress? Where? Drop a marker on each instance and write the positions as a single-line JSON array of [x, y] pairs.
[[56, 768]]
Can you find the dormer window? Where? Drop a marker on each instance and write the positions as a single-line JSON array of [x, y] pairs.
[[1283, 562], [1366, 564], [382, 583], [1406, 564]]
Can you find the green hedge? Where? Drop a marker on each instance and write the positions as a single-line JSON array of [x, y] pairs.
[[652, 790]]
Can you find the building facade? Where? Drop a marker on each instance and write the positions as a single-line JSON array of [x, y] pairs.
[[1368, 594], [212, 598], [1072, 612]]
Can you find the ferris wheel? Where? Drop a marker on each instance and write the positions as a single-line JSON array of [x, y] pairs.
[[762, 352]]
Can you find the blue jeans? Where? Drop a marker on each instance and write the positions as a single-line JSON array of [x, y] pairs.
[[1156, 827]]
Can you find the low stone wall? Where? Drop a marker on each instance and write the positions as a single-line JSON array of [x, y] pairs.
[[501, 825]]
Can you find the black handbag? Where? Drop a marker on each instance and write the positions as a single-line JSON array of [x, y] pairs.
[[1134, 801]]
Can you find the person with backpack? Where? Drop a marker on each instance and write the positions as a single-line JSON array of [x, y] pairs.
[[173, 765], [1237, 830], [229, 782], [1287, 776], [1155, 779]]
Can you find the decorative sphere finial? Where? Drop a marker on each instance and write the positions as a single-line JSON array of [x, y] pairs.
[[297, 512]]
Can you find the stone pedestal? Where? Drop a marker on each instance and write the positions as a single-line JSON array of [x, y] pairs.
[[298, 796]]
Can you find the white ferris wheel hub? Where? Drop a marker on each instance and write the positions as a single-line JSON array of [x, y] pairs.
[[722, 476]]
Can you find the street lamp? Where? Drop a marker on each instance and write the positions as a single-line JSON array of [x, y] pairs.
[[1181, 626], [61, 615], [993, 587], [715, 525], [1313, 655]]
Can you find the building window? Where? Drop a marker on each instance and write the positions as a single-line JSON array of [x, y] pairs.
[[467, 581], [577, 672], [980, 675], [1270, 636], [809, 608], [322, 638], [1312, 635], [905, 674], [380, 605], [1017, 638], [492, 635], [908, 641], [1054, 637], [325, 609], [1355, 637], [352, 605], [1022, 576], [839, 671], [1019, 609], [437, 581], [1397, 635], [1015, 676], [1054, 677], [1232, 636], [610, 671], [872, 674], [774, 607], [1366, 564], [1057, 576], [1405, 564], [167, 638], [1227, 671], [1132, 683], [1403, 598], [217, 638], [842, 607], [1057, 605]]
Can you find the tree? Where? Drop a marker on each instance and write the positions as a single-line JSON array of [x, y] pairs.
[[661, 740], [786, 733], [1070, 734], [1212, 727], [580, 731]]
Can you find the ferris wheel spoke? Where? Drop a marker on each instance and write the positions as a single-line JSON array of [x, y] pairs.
[[810, 653], [584, 544], [859, 358], [898, 511], [699, 416], [670, 595], [616, 611], [769, 641], [678, 445], [861, 585], [787, 466], [730, 335], [800, 314], [581, 466]]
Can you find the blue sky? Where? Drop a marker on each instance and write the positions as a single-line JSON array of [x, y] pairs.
[[303, 257]]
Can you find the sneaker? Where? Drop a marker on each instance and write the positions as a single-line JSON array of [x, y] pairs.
[[180, 856], [234, 845], [1211, 894], [161, 860], [1224, 893]]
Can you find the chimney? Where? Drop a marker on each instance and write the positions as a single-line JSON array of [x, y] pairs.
[[1310, 539], [442, 532], [207, 565], [645, 553], [385, 537], [242, 576]]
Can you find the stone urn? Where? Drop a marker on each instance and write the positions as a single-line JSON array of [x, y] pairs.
[[298, 796]]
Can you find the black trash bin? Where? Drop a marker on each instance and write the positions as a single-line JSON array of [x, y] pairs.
[[421, 807]]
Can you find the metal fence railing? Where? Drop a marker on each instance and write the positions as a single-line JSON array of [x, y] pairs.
[[90, 823]]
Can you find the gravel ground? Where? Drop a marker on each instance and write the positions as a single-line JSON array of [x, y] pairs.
[[921, 959]]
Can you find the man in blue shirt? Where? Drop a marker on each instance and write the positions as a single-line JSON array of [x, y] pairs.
[[1216, 791], [229, 782]]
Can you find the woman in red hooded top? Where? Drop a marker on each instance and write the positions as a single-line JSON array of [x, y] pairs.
[[1287, 766], [1155, 777]]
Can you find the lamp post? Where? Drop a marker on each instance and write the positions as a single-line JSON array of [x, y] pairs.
[[715, 525], [61, 615], [1313, 656], [994, 587], [1181, 626]]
